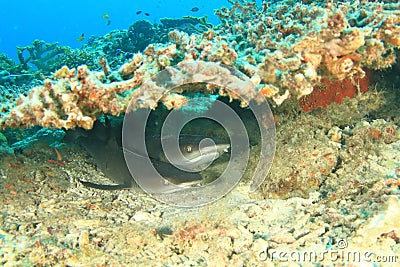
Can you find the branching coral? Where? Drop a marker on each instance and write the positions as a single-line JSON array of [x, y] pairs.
[[41, 54], [188, 23]]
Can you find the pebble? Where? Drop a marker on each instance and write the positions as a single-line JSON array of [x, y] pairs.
[[144, 216], [134, 238], [84, 238], [242, 239], [39, 176], [86, 223], [259, 244], [283, 238]]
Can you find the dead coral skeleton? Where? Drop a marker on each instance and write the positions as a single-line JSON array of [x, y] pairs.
[[282, 50]]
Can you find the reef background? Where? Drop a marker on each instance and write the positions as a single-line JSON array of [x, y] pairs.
[[337, 165], [72, 21]]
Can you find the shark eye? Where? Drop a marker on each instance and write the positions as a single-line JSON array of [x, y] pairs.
[[189, 149]]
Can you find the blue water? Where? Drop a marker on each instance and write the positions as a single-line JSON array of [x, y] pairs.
[[64, 21]]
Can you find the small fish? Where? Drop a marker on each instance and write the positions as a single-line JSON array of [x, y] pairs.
[[195, 9], [81, 38], [138, 12], [106, 16], [147, 14], [108, 22]]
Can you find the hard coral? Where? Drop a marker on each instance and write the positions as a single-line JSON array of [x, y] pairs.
[[78, 98], [286, 48], [297, 44], [42, 55], [68, 101]]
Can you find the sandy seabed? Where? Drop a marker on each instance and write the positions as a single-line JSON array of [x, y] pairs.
[[332, 197]]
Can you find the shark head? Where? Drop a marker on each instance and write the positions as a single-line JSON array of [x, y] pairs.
[[198, 158], [194, 156]]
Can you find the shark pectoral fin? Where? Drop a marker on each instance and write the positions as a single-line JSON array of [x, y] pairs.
[[105, 186], [175, 175]]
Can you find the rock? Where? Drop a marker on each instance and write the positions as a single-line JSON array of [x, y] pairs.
[[283, 238], [144, 216], [84, 238]]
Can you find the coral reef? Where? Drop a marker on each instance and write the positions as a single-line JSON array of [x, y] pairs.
[[188, 24], [66, 103], [77, 98], [336, 171], [119, 45], [334, 92], [297, 44], [44, 56], [12, 73], [52, 138], [5, 77], [40, 59], [4, 147], [286, 48]]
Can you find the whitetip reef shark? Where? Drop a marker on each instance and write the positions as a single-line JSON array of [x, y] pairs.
[[108, 154]]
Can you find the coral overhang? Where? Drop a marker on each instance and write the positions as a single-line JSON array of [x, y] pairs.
[[285, 48]]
